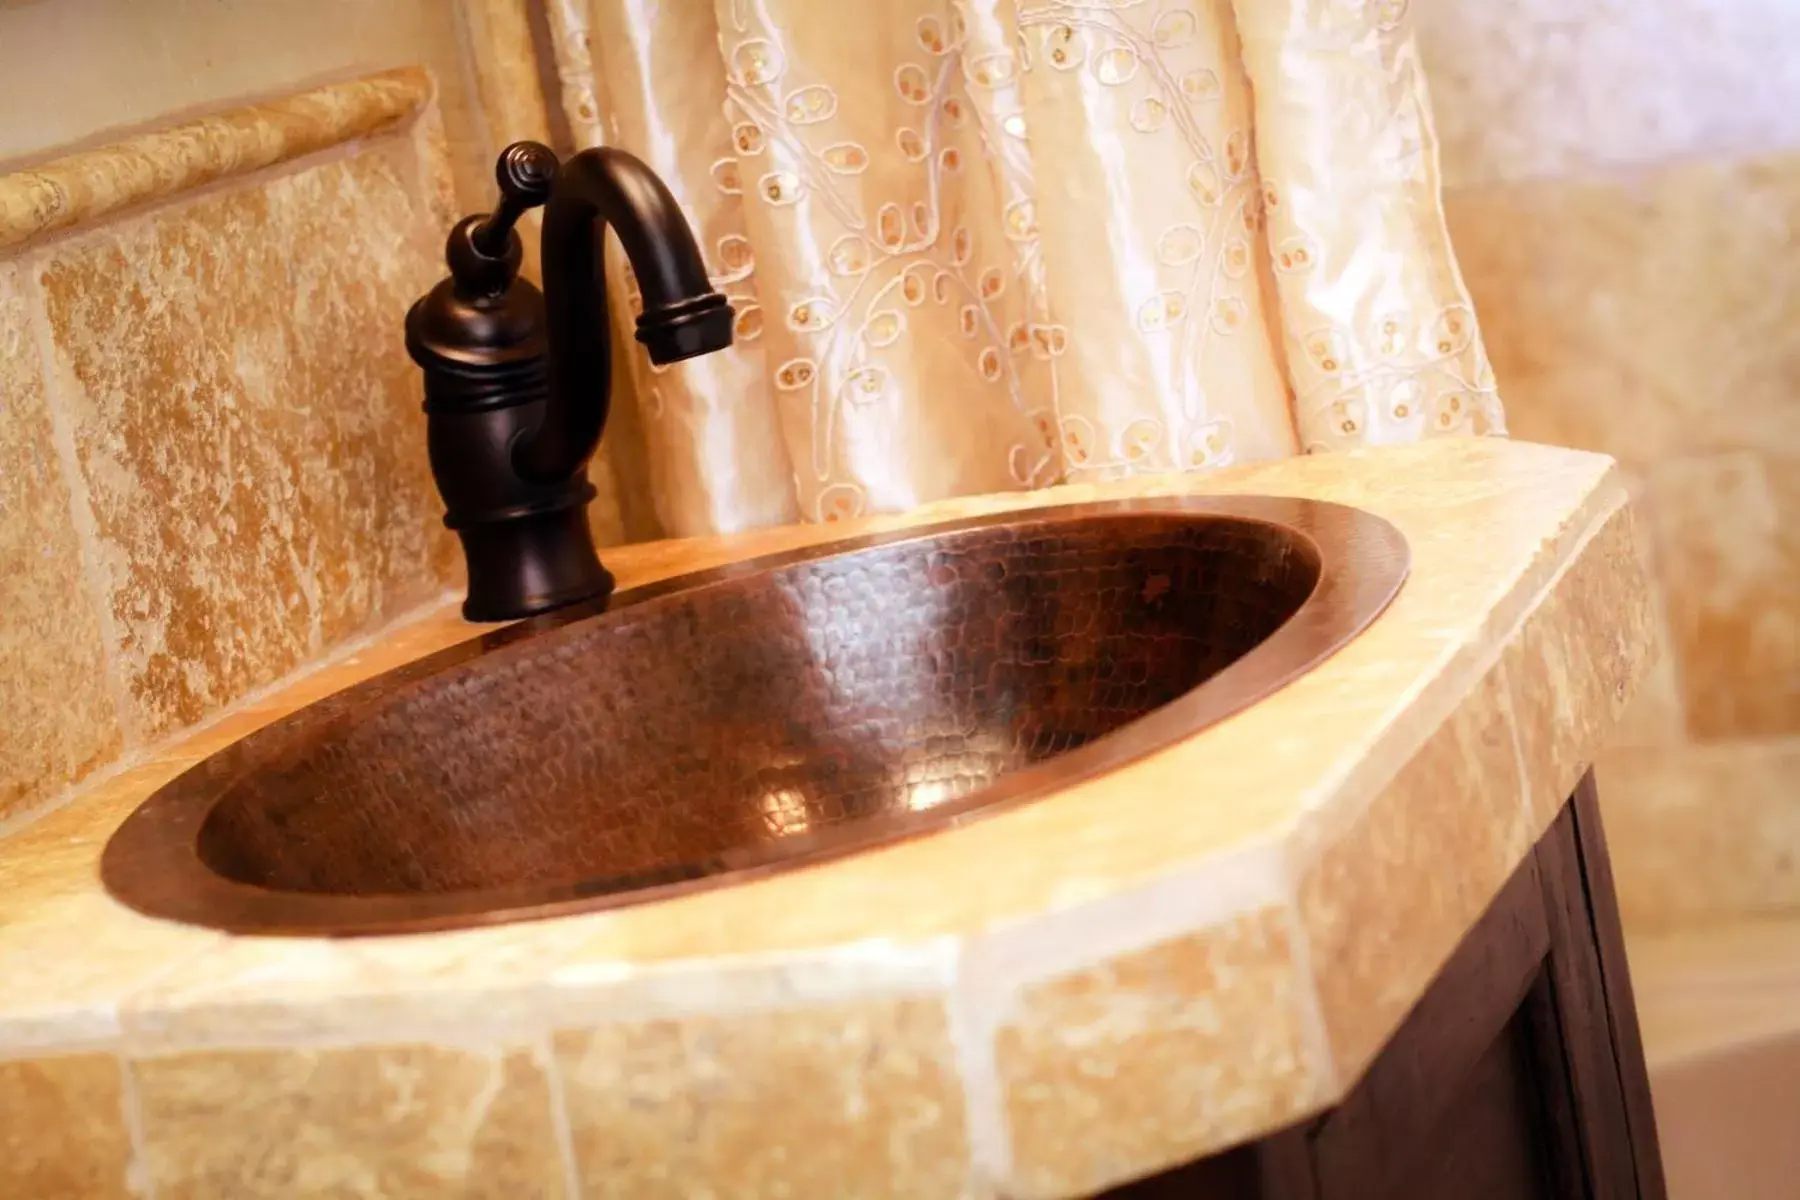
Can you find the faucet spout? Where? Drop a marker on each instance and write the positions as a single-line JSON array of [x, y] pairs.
[[683, 316]]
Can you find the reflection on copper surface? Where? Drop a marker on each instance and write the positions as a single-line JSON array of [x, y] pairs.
[[921, 796], [767, 714], [784, 812]]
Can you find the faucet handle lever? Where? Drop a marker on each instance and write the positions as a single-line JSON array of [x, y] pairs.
[[524, 171]]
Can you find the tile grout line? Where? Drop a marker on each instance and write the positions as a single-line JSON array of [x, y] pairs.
[[1316, 1034], [138, 1175], [81, 508], [561, 1128], [125, 1005], [978, 1076], [449, 1027]]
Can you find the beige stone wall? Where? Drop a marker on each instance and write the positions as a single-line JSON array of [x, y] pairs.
[[1624, 195], [213, 216], [212, 465]]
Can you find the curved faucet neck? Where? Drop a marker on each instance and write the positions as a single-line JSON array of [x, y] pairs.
[[592, 190]]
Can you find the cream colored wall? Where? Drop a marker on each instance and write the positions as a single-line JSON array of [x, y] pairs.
[[1624, 196]]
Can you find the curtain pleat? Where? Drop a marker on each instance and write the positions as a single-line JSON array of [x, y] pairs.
[[978, 245], [1381, 338]]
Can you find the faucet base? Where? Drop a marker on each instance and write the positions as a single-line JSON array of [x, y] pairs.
[[530, 564], [517, 381]]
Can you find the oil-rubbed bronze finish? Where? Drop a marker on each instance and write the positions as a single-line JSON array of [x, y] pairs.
[[517, 381], [781, 711]]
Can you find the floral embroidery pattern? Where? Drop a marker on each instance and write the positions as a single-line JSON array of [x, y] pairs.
[[1194, 287], [921, 317], [899, 265]]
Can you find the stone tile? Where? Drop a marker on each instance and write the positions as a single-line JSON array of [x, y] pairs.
[[1364, 711], [60, 719], [1388, 898], [1728, 544], [89, 186], [1654, 717], [1544, 87], [858, 1100], [1571, 669], [69, 956], [1158, 1057], [62, 1129], [247, 425], [1643, 316], [367, 1121], [1703, 832]]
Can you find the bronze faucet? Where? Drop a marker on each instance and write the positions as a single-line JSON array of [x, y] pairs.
[[518, 382]]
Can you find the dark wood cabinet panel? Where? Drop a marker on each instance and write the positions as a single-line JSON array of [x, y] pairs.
[[1595, 878], [1489, 1142], [1386, 1130], [1520, 1075]]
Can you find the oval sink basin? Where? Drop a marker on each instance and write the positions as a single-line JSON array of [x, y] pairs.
[[761, 716]]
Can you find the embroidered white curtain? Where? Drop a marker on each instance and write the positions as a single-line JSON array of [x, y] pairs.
[[986, 244]]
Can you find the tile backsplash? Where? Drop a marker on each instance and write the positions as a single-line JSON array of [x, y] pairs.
[[212, 458], [248, 443], [61, 717]]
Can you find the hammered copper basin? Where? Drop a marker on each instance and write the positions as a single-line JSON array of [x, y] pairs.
[[766, 715]]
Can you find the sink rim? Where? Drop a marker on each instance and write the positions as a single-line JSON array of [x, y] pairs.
[[152, 864]]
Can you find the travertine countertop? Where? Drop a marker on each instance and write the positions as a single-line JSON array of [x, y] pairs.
[[1154, 964]]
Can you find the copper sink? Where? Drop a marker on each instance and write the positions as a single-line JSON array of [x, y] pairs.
[[759, 717]]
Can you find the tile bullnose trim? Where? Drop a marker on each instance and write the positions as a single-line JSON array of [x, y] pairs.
[[85, 186]]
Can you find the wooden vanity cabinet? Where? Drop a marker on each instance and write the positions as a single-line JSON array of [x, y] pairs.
[[1519, 1075]]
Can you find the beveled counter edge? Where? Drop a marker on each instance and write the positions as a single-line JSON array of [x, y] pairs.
[[1510, 759], [85, 186], [876, 975], [1363, 949]]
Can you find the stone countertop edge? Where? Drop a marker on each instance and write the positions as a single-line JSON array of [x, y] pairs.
[[1147, 967]]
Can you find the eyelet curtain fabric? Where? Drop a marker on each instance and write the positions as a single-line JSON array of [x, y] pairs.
[[977, 245]]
